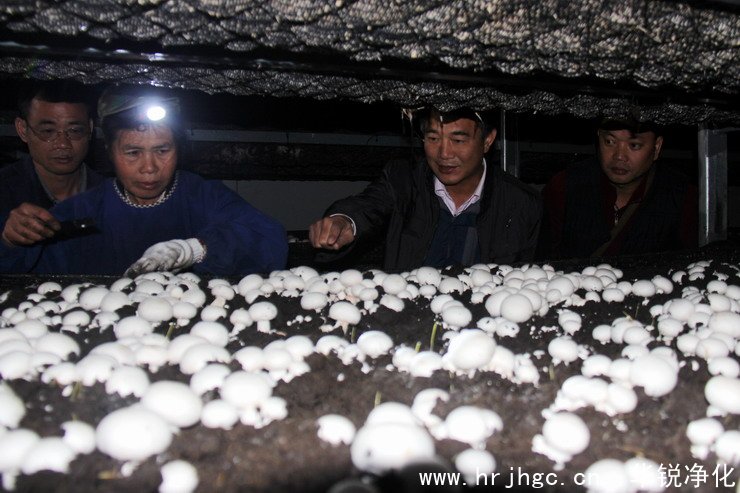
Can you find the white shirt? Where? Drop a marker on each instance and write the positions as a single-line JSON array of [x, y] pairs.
[[441, 192]]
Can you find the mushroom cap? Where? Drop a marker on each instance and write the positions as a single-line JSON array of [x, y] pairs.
[[472, 425], [654, 374], [381, 447], [472, 462], [336, 429], [566, 432], [173, 401], [517, 308], [178, 476], [470, 349], [456, 315], [428, 276], [723, 393], [344, 311], [374, 343], [133, 433], [263, 310]]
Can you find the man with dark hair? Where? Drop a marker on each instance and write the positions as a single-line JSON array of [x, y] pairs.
[[453, 209], [55, 123], [624, 203]]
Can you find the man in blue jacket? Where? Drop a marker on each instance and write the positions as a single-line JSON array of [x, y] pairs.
[[452, 209], [55, 123]]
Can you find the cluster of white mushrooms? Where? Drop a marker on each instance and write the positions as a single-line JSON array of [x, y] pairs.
[[232, 387]]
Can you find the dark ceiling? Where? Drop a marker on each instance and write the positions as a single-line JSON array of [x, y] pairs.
[[675, 62]]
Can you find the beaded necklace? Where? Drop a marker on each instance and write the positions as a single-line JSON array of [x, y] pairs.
[[124, 195]]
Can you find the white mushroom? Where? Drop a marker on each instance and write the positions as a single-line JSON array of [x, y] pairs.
[[563, 349], [472, 425], [132, 327], [382, 447], [425, 363], [563, 436], [154, 310], [374, 343], [209, 378], [392, 302], [242, 389], [12, 408], [473, 463], [336, 429], [654, 374], [702, 433], [213, 332], [173, 401], [608, 476], [727, 447], [456, 316], [132, 433], [723, 394], [178, 476], [262, 312], [48, 287], [48, 454], [517, 308], [470, 349], [219, 414], [113, 300], [314, 301], [127, 380], [428, 276], [345, 314], [79, 436]]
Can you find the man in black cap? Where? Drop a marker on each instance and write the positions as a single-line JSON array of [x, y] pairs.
[[452, 209], [622, 203]]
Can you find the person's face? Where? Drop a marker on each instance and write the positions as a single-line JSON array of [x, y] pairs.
[[455, 151], [626, 157], [145, 161], [57, 135]]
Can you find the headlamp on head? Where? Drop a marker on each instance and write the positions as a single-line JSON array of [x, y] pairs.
[[155, 112], [148, 108]]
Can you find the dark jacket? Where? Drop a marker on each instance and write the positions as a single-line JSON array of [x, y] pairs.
[[19, 183], [403, 199], [579, 210]]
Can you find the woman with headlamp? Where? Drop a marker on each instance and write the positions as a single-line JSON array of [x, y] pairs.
[[152, 216]]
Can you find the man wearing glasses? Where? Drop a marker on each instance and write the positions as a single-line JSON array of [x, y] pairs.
[[453, 209], [55, 123]]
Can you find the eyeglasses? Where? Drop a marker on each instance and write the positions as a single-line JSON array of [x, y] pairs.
[[50, 134]]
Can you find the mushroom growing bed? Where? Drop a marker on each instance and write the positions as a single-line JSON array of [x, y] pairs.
[[570, 376]]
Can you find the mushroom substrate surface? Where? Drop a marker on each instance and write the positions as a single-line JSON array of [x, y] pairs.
[[287, 455]]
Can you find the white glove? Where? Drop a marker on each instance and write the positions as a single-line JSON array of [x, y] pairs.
[[173, 255]]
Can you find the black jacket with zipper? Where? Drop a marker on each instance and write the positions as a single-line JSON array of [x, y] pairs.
[[403, 199]]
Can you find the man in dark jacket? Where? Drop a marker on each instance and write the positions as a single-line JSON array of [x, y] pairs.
[[622, 203], [453, 209], [55, 123]]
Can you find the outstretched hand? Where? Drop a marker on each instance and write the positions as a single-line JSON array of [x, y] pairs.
[[28, 224], [331, 233], [173, 255]]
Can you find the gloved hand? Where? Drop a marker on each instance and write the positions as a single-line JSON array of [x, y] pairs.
[[173, 255]]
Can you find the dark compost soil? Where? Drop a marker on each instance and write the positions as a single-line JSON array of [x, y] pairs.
[[288, 456]]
